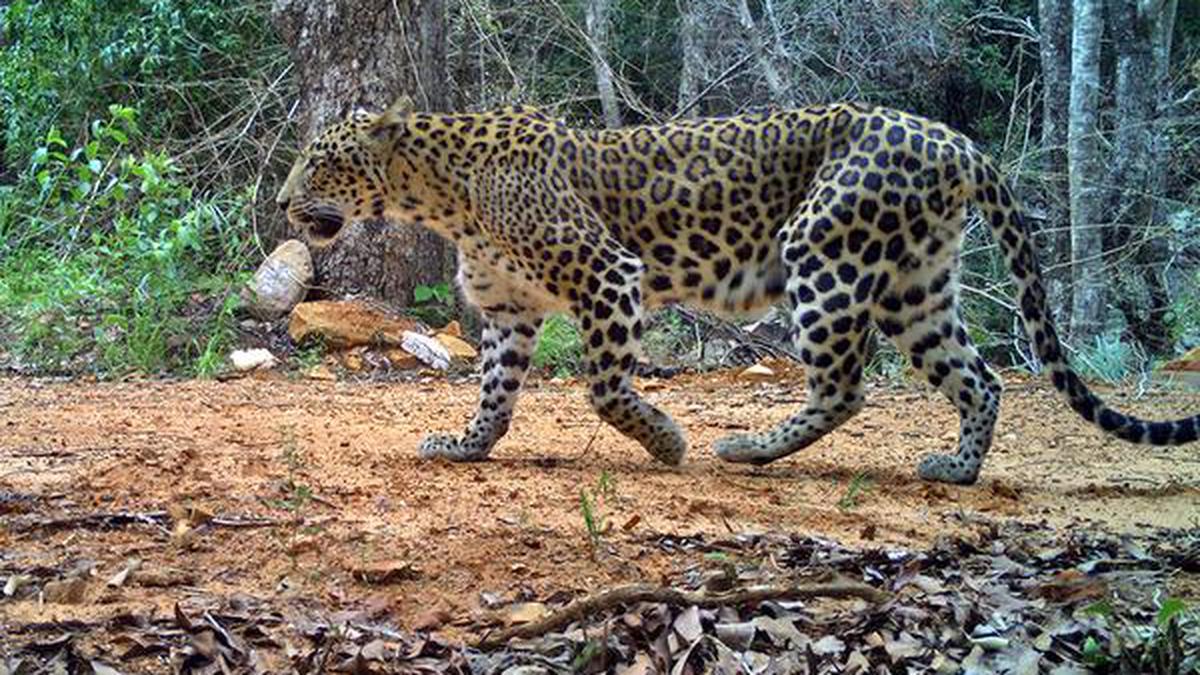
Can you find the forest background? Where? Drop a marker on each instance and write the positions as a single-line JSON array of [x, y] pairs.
[[142, 141]]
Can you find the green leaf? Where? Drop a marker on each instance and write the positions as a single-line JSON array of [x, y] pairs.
[[1171, 608], [53, 137], [1093, 652], [422, 294], [1098, 608]]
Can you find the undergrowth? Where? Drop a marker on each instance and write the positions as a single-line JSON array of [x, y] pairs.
[[111, 263], [559, 348]]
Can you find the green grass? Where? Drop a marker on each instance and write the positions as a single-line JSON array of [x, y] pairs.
[[1109, 359], [559, 348], [593, 508], [858, 486]]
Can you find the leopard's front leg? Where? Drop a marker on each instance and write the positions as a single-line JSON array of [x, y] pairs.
[[507, 343]]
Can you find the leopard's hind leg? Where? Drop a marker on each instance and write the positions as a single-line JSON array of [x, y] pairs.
[[921, 314], [829, 293]]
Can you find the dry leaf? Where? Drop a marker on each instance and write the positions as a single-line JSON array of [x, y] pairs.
[[386, 572], [66, 591], [687, 624], [1071, 586], [117, 580], [525, 612], [737, 635], [642, 665]]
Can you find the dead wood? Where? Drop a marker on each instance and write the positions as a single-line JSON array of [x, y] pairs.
[[830, 586]]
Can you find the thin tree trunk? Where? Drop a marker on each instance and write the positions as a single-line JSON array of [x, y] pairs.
[[776, 83], [1136, 178], [691, 32], [1087, 203], [1054, 17], [598, 20], [367, 52]]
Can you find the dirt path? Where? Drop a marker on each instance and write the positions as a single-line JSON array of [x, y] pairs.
[[511, 526]]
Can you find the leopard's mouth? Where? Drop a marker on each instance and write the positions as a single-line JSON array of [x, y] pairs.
[[320, 224], [326, 225]]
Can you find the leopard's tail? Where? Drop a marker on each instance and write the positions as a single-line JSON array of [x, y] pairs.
[[1003, 213]]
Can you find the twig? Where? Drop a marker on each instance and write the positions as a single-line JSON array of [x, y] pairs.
[[831, 586], [244, 522], [155, 518]]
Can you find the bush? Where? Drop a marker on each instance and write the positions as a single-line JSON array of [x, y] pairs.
[[185, 63], [111, 263], [1108, 359]]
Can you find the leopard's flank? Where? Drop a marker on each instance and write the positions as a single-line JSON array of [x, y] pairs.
[[851, 214]]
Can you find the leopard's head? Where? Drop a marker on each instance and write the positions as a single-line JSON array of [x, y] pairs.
[[341, 177]]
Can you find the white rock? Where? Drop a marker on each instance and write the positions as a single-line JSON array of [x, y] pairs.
[[249, 359], [280, 281], [431, 352]]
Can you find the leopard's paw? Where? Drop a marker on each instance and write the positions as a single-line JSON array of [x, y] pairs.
[[445, 446], [946, 468], [742, 449], [669, 446]]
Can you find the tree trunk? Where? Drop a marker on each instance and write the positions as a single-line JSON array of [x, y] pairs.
[[598, 20], [1136, 178], [1083, 158], [365, 53], [691, 33], [777, 86], [1054, 17]]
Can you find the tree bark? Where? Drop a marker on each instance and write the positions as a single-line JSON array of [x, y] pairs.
[[691, 32], [777, 86], [1054, 18], [365, 53], [598, 20], [1137, 179], [1083, 157]]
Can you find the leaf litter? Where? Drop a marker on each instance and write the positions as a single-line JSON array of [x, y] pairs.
[[1015, 598]]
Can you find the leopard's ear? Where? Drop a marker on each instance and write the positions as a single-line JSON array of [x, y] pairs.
[[392, 117], [402, 106]]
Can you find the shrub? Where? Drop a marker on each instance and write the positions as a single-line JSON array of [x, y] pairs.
[[111, 263]]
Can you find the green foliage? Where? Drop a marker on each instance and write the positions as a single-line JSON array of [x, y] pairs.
[[435, 293], [1108, 359], [559, 348], [593, 521], [855, 489], [110, 260], [667, 337], [433, 304], [593, 507], [179, 60], [1130, 645], [887, 362]]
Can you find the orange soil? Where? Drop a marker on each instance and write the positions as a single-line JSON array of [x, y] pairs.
[[512, 526]]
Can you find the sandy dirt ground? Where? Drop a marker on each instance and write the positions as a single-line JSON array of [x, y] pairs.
[[301, 488]]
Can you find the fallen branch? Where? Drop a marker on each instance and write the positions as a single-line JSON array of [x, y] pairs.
[[114, 520], [832, 586], [96, 520]]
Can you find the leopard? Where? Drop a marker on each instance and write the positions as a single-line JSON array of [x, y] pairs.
[[851, 215]]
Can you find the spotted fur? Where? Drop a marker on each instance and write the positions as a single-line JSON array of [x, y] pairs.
[[853, 215]]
